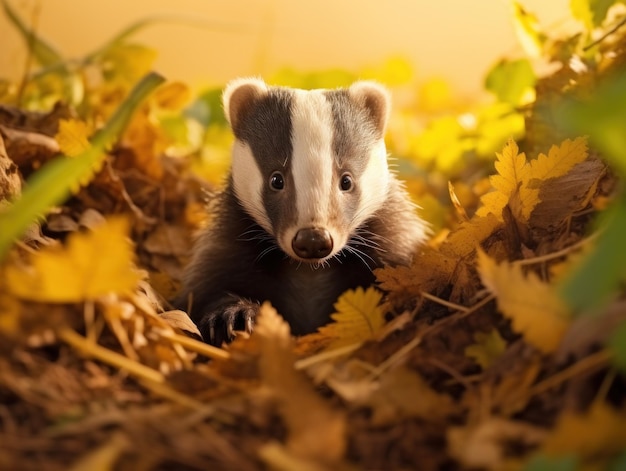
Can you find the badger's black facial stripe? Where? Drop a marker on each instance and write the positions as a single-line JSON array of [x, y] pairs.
[[353, 133], [267, 129]]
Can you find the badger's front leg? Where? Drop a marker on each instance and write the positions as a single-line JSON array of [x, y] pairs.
[[222, 318]]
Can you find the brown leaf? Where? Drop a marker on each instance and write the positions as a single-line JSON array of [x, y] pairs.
[[566, 194], [315, 429]]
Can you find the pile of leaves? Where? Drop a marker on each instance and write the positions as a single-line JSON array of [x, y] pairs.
[[502, 347]]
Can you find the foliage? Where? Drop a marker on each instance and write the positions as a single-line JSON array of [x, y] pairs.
[[478, 355]]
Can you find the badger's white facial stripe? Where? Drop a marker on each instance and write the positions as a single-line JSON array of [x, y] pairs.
[[312, 162], [248, 183]]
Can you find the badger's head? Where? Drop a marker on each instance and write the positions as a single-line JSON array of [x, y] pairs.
[[310, 167]]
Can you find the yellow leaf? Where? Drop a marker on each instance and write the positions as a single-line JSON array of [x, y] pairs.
[[513, 171], [518, 182], [535, 309], [172, 96], [73, 137], [598, 432], [91, 265], [528, 30], [358, 318], [488, 347]]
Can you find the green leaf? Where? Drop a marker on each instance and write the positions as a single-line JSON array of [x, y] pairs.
[[207, 108], [617, 344], [599, 275], [619, 464], [41, 50], [54, 182], [591, 12], [512, 82], [602, 118], [549, 463]]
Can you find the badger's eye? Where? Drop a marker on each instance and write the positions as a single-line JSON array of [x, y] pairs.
[[346, 182], [277, 182]]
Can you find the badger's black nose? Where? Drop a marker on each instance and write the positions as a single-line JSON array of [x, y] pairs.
[[312, 242]]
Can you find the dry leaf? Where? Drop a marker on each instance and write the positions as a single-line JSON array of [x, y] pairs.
[[488, 347], [315, 429], [483, 445], [358, 318], [513, 171], [600, 431], [73, 137], [403, 393], [79, 271], [535, 309]]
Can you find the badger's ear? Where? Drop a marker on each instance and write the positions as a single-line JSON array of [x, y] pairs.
[[238, 98], [375, 99]]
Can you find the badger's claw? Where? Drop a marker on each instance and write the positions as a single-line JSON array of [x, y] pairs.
[[220, 324]]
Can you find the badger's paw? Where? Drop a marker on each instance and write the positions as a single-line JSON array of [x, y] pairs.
[[233, 314]]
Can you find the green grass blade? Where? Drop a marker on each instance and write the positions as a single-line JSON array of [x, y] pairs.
[[45, 54], [54, 182]]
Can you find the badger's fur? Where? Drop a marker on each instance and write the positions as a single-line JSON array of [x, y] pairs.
[[309, 210]]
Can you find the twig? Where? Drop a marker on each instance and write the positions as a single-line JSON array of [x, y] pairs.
[[588, 363], [108, 356], [443, 302], [606, 35], [323, 356], [560, 253], [195, 345]]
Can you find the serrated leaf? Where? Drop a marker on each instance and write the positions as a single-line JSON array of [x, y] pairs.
[[513, 171], [559, 161], [488, 347], [533, 306], [72, 137], [518, 182], [79, 272], [358, 318], [54, 182]]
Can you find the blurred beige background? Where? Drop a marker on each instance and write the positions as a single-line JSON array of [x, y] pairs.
[[457, 40]]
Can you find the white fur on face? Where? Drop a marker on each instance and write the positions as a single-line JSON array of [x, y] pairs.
[[312, 166], [248, 183], [374, 184]]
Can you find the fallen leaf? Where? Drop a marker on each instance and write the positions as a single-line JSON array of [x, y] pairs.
[[482, 445], [512, 171], [404, 393], [79, 271], [358, 318], [488, 347], [73, 137], [600, 432], [315, 429], [534, 307]]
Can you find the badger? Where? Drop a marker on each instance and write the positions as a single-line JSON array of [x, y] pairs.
[[309, 209]]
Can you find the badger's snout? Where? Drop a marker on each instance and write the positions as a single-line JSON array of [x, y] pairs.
[[312, 243]]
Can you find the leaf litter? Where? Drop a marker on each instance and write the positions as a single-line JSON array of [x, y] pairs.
[[470, 358]]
